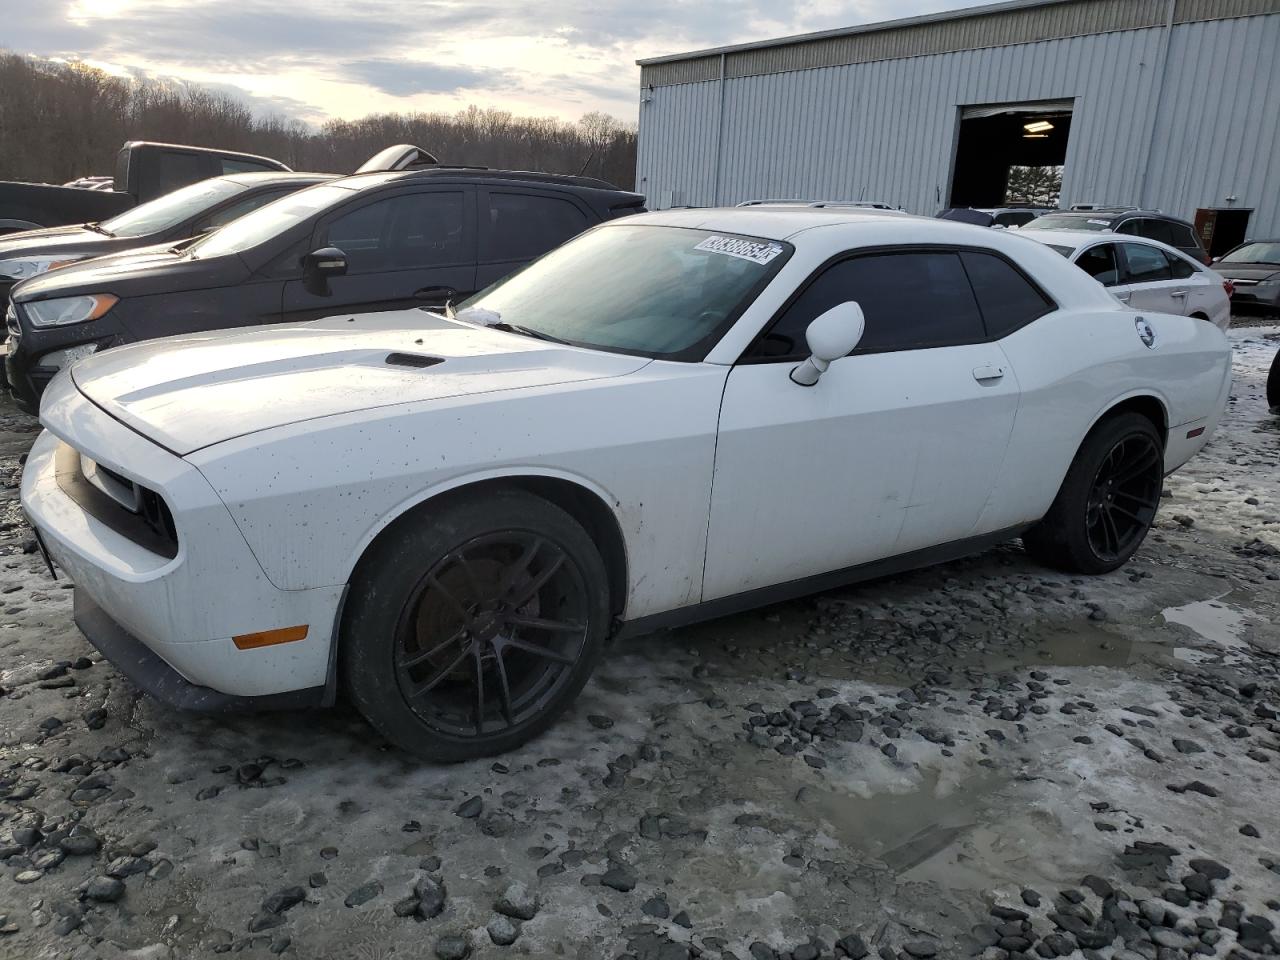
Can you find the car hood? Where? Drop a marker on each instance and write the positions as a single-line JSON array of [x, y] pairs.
[[190, 392], [1246, 271], [56, 241], [154, 269]]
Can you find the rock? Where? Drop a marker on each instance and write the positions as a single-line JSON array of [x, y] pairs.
[[502, 931], [80, 845], [405, 907], [28, 876], [363, 894], [431, 896], [105, 889], [1031, 898], [619, 877], [518, 902], [265, 920], [453, 947], [920, 949], [599, 722], [470, 808], [854, 946], [656, 907], [1210, 868], [1187, 746], [1164, 937], [283, 900], [1249, 830]]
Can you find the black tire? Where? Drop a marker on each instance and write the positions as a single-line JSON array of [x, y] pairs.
[[418, 616], [1273, 384], [1079, 533]]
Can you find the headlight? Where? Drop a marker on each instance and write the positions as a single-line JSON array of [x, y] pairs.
[[33, 266], [65, 310], [64, 358]]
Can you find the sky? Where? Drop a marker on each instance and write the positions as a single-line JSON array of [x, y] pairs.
[[315, 60]]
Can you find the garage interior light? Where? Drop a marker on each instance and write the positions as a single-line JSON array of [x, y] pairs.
[[1039, 126], [1035, 136]]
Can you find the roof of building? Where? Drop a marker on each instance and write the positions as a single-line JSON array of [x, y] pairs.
[[971, 28]]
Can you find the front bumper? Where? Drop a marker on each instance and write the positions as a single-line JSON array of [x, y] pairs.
[[183, 609]]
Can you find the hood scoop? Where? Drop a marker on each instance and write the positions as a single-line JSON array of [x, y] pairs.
[[418, 360]]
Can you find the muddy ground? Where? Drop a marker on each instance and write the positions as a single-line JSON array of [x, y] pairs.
[[870, 771]]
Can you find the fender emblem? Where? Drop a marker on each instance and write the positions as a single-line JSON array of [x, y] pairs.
[[1145, 333]]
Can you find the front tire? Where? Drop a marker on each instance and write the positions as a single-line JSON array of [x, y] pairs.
[[1107, 502], [471, 627], [1273, 383]]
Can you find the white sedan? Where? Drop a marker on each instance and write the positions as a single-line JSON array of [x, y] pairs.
[[674, 416], [1146, 274]]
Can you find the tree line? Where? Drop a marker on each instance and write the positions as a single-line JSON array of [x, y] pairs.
[[59, 121]]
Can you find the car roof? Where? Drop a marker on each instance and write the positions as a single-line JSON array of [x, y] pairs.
[[771, 222], [1117, 213], [1083, 238], [360, 180], [277, 176]]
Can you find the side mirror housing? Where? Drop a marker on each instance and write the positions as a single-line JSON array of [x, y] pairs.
[[319, 265], [830, 336]]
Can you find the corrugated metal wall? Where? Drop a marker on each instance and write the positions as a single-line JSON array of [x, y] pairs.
[[886, 130]]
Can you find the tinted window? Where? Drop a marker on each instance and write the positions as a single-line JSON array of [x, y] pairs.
[[1146, 264], [179, 169], [1100, 263], [1182, 269], [270, 221], [1014, 219], [1182, 236], [1068, 222], [1131, 227], [1006, 298], [1160, 230], [522, 226], [172, 209], [414, 230], [245, 166], [910, 300]]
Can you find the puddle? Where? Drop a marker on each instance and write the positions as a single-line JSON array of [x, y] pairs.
[[1213, 621]]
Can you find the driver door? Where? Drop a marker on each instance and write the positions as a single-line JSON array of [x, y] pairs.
[[896, 448]]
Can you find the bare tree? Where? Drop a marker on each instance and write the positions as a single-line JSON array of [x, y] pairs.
[[59, 121]]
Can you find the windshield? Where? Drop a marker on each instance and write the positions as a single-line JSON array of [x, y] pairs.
[[171, 209], [1052, 222], [269, 221], [1267, 251], [656, 291]]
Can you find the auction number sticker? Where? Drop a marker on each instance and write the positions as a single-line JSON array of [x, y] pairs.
[[752, 250]]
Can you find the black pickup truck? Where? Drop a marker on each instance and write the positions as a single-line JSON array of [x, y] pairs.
[[143, 172]]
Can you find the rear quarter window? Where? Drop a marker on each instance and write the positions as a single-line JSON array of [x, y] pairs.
[[1007, 299]]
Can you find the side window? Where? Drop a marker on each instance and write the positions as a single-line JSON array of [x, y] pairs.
[[522, 226], [1183, 237], [1180, 268], [910, 301], [179, 169], [1146, 264], [1014, 219], [1160, 230], [230, 165], [236, 210], [1130, 227], [1007, 299], [401, 232], [1100, 263]]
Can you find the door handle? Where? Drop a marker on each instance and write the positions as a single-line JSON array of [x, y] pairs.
[[1123, 297], [433, 294], [987, 373], [1178, 294]]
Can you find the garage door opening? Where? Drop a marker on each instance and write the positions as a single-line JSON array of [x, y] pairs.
[[1011, 153]]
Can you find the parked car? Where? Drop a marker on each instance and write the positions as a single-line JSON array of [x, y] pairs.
[[1146, 274], [144, 171], [185, 213], [670, 418], [1008, 216], [1130, 221], [1254, 270], [1273, 384], [373, 241]]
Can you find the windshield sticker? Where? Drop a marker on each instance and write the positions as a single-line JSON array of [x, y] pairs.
[[1101, 223], [754, 251]]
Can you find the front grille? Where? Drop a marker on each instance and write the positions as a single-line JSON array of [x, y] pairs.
[[130, 509]]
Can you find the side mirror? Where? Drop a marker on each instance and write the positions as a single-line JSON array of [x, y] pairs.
[[319, 265], [830, 336]]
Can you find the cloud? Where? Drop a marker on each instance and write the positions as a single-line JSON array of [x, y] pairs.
[[406, 78]]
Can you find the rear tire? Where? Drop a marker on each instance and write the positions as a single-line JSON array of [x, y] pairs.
[[469, 629], [1107, 501]]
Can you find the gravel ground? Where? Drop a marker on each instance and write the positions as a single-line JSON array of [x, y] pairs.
[[983, 758]]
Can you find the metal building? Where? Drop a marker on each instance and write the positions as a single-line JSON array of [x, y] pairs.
[[1171, 104]]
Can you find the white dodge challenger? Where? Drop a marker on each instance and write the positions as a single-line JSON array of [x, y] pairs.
[[672, 417]]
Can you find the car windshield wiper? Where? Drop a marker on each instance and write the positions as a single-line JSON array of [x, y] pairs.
[[97, 228], [526, 331]]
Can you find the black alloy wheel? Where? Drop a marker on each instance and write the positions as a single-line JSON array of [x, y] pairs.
[[1124, 497]]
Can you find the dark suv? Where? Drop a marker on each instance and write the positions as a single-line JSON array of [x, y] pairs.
[[1151, 224], [372, 241]]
